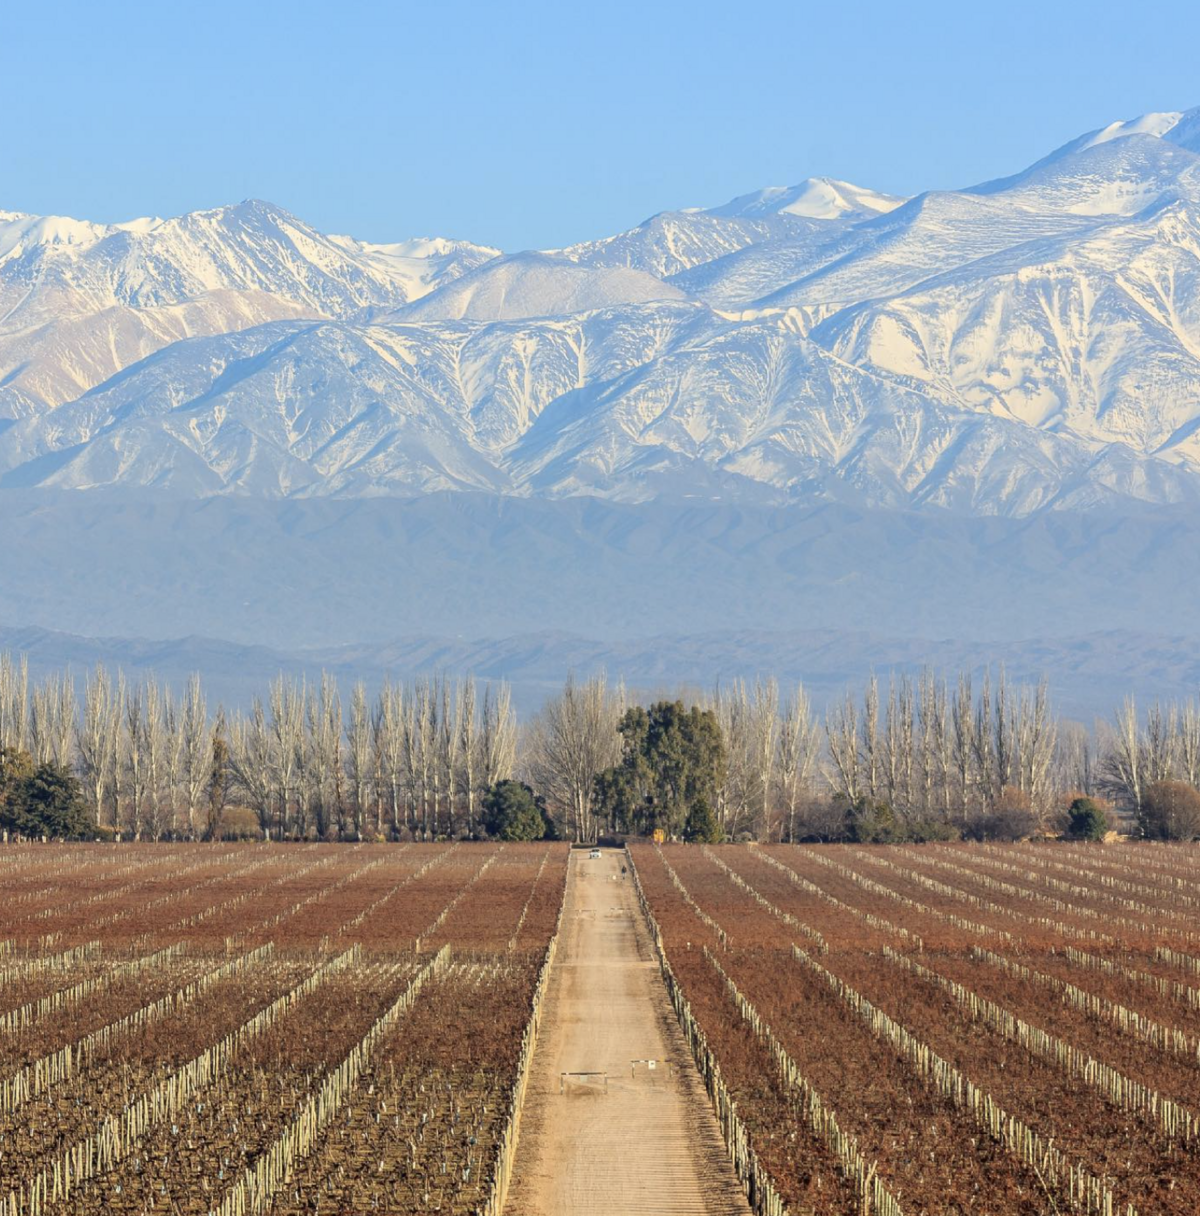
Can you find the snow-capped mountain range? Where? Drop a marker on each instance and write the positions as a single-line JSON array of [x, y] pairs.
[[1029, 343]]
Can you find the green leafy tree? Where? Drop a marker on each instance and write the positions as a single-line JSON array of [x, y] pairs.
[[47, 802], [1087, 820], [872, 821], [702, 826], [16, 768], [512, 812], [672, 757]]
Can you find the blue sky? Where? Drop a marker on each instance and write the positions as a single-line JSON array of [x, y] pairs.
[[535, 124]]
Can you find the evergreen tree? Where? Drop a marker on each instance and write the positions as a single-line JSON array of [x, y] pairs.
[[16, 768], [671, 758], [47, 801], [702, 826], [512, 812], [1088, 820]]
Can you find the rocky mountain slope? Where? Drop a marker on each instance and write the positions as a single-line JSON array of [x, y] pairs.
[[1028, 343]]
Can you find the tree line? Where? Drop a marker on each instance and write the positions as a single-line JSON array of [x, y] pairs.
[[924, 758], [417, 760]]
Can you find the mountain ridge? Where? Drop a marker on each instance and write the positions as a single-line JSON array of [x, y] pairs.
[[1026, 344]]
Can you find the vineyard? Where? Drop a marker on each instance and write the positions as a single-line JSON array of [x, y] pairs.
[[294, 1029], [947, 1028]]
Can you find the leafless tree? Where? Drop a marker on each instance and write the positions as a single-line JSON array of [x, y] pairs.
[[841, 733], [96, 739], [195, 751], [498, 745], [1158, 744], [1126, 754], [1186, 744], [52, 720], [964, 750], [14, 702], [449, 739], [252, 763], [469, 747], [358, 750], [217, 786], [134, 760], [799, 748], [154, 749], [869, 745], [325, 755], [388, 741], [573, 739]]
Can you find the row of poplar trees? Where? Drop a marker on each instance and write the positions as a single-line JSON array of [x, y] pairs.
[[416, 759], [923, 758]]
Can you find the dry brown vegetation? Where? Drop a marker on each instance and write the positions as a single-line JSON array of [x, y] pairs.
[[1004, 1028], [285, 1029]]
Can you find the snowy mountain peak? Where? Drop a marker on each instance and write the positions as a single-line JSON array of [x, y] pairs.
[[1157, 125], [1181, 127], [817, 198], [19, 233], [1028, 344]]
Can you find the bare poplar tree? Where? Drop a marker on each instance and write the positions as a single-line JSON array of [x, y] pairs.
[[1036, 738], [252, 763], [942, 743], [737, 797], [1074, 759], [764, 735], [358, 744], [1186, 747], [154, 754], [325, 734], [449, 740], [1125, 754], [799, 746], [424, 702], [134, 760], [964, 748], [96, 739], [43, 728], [498, 745], [14, 703], [216, 789], [1158, 744], [984, 741], [869, 746], [573, 739], [174, 767], [387, 738], [841, 733], [468, 744], [195, 748], [287, 729]]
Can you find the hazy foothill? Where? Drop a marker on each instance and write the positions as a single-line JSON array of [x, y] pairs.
[[837, 397]]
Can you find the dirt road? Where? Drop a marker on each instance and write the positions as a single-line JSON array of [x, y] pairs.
[[629, 1138]]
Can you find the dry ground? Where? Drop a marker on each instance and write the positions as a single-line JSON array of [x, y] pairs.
[[630, 1139]]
